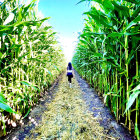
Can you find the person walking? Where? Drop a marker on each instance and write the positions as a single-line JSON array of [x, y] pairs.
[[69, 73]]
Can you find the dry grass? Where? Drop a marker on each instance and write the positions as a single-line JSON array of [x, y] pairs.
[[67, 117]]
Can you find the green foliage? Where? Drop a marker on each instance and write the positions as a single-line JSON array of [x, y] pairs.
[[132, 98], [29, 84], [107, 53], [4, 106], [30, 58]]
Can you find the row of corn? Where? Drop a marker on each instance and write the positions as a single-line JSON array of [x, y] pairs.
[[30, 60], [107, 56]]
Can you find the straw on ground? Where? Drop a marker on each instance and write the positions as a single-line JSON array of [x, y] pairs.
[[67, 117]]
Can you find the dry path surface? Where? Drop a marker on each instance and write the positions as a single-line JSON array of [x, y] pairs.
[[75, 113]]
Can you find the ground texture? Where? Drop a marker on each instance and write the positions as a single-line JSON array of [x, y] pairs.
[[75, 113]]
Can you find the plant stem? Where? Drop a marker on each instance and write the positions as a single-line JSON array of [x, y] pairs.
[[127, 78]]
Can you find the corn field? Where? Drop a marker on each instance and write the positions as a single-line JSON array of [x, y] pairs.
[[30, 60], [108, 55]]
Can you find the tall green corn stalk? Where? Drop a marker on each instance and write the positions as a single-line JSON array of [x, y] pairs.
[[108, 47]]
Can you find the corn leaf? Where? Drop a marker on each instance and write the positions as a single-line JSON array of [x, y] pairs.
[[134, 22], [6, 107], [28, 84], [9, 19], [133, 96], [2, 98]]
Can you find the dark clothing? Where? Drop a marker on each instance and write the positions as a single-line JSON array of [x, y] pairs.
[[69, 78], [69, 73]]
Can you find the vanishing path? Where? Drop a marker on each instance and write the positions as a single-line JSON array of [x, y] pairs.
[[74, 113]]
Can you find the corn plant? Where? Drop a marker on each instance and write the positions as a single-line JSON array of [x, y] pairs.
[[107, 56], [30, 60]]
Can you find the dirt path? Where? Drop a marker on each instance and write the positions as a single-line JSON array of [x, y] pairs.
[[66, 116]]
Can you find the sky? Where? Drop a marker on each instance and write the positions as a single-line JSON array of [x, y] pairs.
[[67, 20]]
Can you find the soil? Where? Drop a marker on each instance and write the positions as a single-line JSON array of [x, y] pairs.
[[94, 105]]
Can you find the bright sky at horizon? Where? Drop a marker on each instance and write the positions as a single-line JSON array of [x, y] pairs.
[[66, 19]]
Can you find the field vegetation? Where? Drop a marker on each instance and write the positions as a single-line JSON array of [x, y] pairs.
[[108, 57], [30, 60]]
